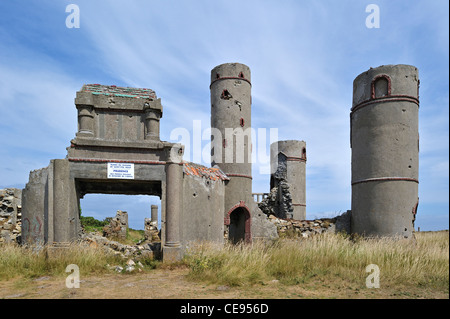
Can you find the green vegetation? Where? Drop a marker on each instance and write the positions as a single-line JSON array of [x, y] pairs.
[[91, 224], [134, 236]]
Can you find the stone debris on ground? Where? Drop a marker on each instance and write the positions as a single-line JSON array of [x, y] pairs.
[[307, 228], [117, 227], [150, 247], [10, 215], [151, 232], [135, 252]]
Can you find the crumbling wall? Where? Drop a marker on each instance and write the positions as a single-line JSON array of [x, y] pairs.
[[203, 205], [10, 214], [307, 228], [50, 205], [118, 226], [151, 232], [35, 203], [261, 226], [279, 200]]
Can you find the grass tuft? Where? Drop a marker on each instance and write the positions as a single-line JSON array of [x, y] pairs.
[[30, 262], [327, 257]]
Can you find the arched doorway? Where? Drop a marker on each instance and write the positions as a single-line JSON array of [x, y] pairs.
[[238, 221]]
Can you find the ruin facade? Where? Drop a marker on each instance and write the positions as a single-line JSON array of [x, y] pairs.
[[118, 150]]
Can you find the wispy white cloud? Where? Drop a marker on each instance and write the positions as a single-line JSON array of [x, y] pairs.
[[303, 56], [38, 117]]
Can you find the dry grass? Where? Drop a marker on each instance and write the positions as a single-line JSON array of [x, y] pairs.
[[328, 257], [25, 262], [322, 266]]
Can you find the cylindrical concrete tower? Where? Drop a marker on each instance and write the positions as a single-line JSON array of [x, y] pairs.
[[231, 142], [385, 151], [288, 164], [154, 212]]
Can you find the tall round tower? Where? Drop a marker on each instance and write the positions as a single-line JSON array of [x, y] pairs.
[[385, 151], [288, 165], [231, 143]]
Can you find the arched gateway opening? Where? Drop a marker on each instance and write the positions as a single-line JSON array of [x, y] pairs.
[[237, 225], [238, 222]]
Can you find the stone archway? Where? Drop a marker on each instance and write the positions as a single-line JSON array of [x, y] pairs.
[[238, 221]]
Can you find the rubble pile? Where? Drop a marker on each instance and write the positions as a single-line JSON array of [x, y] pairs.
[[10, 215], [307, 228]]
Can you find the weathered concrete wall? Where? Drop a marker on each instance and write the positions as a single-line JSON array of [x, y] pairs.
[[51, 197], [118, 113], [262, 228], [50, 204], [35, 208], [202, 213], [385, 151], [66, 204], [118, 123]]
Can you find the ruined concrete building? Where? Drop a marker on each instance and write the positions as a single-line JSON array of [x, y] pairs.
[[117, 150]]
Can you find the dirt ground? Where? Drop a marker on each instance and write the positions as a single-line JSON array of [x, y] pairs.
[[173, 284]]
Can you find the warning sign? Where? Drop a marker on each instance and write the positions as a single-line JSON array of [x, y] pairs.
[[121, 170]]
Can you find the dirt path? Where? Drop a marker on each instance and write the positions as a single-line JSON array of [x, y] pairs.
[[172, 284]]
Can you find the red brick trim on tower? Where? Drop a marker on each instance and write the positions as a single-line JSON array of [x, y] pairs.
[[383, 179], [391, 98]]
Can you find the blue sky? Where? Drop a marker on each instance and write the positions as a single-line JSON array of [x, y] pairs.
[[303, 56]]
